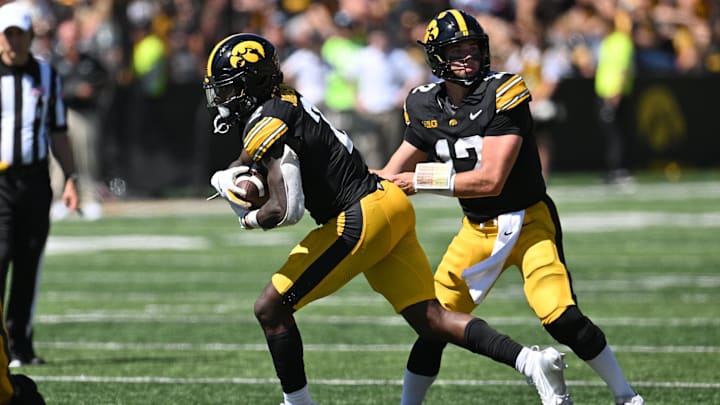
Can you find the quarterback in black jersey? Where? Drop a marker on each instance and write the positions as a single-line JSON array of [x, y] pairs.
[[365, 224], [471, 137]]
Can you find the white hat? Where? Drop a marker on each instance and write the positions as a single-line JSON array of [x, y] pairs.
[[15, 14]]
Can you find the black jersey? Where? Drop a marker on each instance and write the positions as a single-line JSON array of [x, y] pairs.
[[334, 174], [499, 105]]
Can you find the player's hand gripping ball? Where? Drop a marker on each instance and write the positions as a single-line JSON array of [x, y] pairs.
[[253, 188]]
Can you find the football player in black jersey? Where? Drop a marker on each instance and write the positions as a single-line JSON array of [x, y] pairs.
[[477, 124], [365, 224]]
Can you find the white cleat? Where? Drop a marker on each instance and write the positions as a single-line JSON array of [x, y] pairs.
[[636, 400], [547, 375]]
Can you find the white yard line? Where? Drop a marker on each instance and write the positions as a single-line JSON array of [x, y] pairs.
[[630, 220], [587, 222], [637, 192], [341, 382], [261, 347], [561, 193], [702, 190], [139, 317], [85, 244], [613, 221]]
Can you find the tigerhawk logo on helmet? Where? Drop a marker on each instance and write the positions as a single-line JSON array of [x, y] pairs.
[[246, 51], [242, 73]]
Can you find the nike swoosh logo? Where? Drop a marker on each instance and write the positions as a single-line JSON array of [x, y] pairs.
[[508, 233], [475, 114]]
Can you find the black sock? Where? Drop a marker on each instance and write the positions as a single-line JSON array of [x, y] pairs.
[[425, 357], [482, 339], [287, 354]]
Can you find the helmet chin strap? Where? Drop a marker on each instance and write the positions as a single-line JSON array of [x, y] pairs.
[[455, 79], [465, 82], [233, 112], [220, 126], [224, 120]]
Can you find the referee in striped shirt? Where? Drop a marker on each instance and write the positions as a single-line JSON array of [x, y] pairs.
[[33, 125]]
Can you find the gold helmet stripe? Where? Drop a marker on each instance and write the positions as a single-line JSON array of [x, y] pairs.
[[262, 136], [462, 25], [511, 93], [214, 51]]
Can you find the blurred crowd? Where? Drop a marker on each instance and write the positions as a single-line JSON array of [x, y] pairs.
[[355, 59]]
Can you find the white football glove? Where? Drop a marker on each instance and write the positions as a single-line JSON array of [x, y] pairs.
[[240, 206], [224, 180]]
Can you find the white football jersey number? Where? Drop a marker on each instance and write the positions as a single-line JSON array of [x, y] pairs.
[[423, 88], [460, 149], [317, 115]]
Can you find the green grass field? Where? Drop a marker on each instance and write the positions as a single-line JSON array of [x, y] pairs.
[[153, 305]]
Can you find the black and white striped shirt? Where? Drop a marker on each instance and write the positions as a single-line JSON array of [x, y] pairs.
[[31, 107]]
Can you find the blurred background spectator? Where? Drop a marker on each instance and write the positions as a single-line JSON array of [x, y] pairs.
[[613, 85], [154, 137], [304, 67], [383, 74], [84, 82]]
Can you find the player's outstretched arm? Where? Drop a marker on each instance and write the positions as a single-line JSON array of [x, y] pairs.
[[403, 160]]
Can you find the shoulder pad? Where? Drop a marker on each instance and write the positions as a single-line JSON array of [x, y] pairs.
[[510, 91], [262, 134], [288, 94], [418, 98]]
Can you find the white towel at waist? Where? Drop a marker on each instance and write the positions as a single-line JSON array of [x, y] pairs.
[[480, 277]]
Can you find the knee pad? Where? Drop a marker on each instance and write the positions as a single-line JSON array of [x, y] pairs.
[[26, 391], [578, 332]]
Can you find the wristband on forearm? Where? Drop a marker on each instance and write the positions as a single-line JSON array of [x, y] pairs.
[[250, 221], [71, 176], [436, 178]]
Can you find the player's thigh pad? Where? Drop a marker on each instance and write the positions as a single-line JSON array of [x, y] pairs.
[[471, 245], [326, 259], [546, 280], [402, 272], [359, 240]]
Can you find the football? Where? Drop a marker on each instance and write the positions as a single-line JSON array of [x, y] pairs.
[[255, 188]]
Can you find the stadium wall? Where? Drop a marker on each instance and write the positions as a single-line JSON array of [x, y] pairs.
[[669, 121], [672, 122]]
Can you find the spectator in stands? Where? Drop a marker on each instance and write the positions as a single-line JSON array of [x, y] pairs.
[[85, 80], [304, 67], [542, 57], [339, 49], [145, 132], [670, 38], [383, 75], [613, 84]]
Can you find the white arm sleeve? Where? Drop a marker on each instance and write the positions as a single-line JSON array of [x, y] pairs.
[[290, 168]]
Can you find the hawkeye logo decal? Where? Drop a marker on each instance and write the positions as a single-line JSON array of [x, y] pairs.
[[246, 51], [432, 31]]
